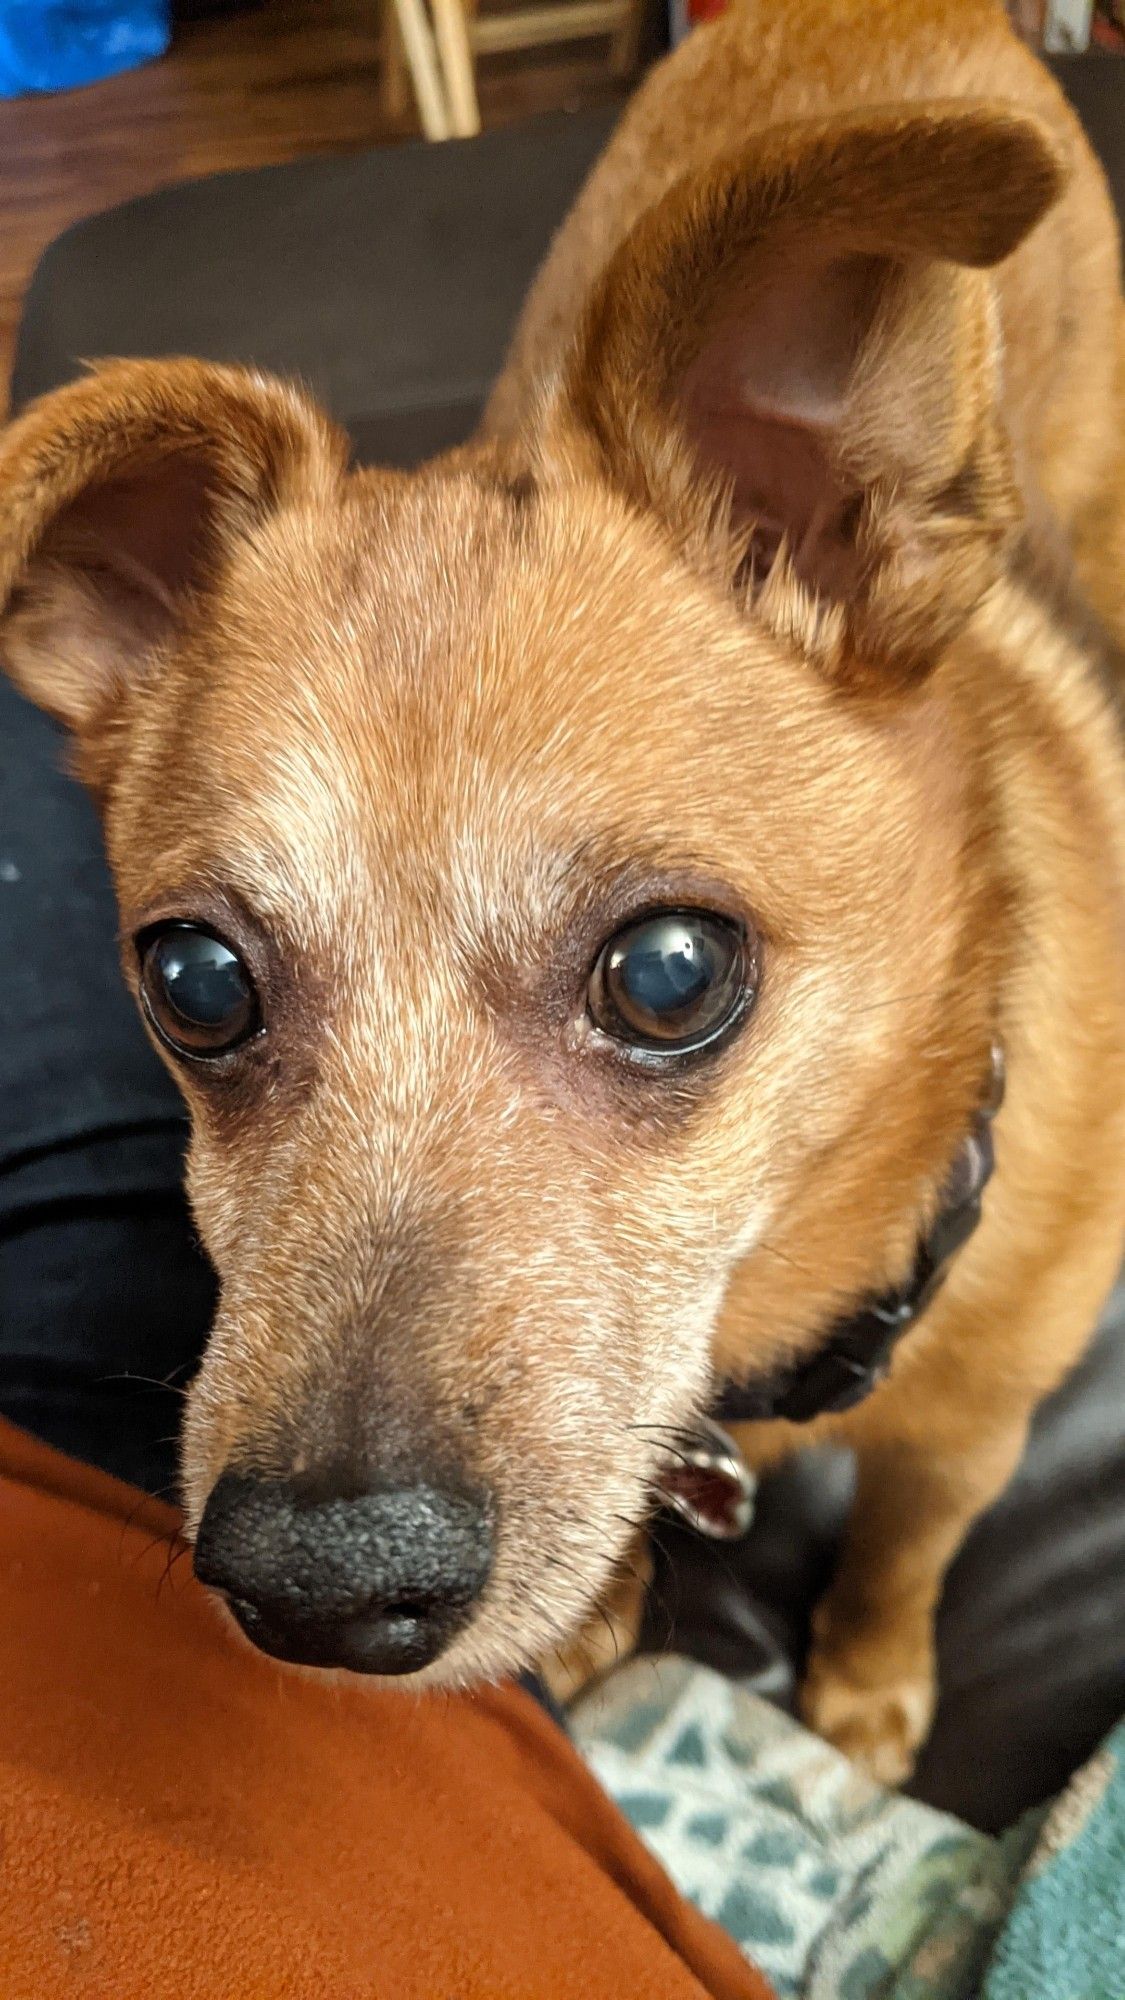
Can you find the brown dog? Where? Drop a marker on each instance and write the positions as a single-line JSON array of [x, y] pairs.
[[578, 886]]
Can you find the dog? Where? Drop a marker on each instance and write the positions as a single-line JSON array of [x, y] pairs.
[[588, 889]]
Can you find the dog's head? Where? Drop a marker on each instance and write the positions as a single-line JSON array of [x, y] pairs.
[[557, 878]]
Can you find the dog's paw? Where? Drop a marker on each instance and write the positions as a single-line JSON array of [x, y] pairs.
[[879, 1723]]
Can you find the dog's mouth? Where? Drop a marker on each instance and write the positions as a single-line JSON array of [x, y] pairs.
[[707, 1483]]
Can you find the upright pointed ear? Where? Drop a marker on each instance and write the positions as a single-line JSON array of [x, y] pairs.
[[118, 497], [810, 326]]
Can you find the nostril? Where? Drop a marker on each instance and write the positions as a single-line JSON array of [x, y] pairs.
[[406, 1608]]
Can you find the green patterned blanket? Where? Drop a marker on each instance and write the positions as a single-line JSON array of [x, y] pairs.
[[839, 1890]]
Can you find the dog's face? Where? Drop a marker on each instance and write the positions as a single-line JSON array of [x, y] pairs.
[[575, 959]]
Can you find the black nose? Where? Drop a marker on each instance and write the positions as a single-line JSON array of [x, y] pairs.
[[378, 1583]]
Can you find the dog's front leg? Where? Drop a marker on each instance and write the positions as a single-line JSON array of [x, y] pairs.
[[870, 1684]]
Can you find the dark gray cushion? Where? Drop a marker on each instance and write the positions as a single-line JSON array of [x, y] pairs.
[[388, 281]]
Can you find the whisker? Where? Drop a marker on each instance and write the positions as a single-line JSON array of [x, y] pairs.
[[175, 1554], [766, 1249], [560, 1562], [925, 993], [676, 1443], [150, 1381], [685, 1431], [140, 1502], [666, 1571], [169, 1539]]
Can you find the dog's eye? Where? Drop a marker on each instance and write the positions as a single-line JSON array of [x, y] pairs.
[[672, 982], [196, 990]]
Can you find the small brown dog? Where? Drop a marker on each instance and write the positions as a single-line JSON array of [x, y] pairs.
[[580, 886]]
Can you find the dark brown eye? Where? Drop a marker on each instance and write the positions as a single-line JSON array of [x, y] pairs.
[[197, 992], [672, 982]]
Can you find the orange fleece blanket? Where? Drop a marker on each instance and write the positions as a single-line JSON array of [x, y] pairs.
[[182, 1819]]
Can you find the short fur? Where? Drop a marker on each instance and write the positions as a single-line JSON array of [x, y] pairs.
[[768, 589]]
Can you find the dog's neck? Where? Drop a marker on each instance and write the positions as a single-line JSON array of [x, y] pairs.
[[857, 1353]]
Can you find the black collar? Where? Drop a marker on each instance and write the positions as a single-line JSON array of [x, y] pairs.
[[858, 1351]]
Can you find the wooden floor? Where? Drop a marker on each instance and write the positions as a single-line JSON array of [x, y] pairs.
[[286, 78]]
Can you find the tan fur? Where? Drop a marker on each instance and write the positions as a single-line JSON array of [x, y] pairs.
[[420, 744]]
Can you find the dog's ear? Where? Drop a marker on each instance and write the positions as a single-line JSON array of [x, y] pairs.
[[118, 497], [810, 326]]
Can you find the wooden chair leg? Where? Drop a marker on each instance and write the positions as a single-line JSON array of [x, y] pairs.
[[625, 48], [394, 77], [424, 68], [457, 64]]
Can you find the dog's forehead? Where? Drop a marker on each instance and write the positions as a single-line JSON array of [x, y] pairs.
[[444, 690], [435, 672], [427, 618]]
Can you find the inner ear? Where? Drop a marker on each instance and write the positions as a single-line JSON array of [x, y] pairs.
[[121, 497], [109, 580], [151, 530], [763, 406], [808, 329]]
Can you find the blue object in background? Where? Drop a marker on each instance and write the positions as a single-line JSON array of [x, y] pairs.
[[59, 44]]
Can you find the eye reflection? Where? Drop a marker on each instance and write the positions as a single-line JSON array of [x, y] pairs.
[[197, 992], [672, 981]]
